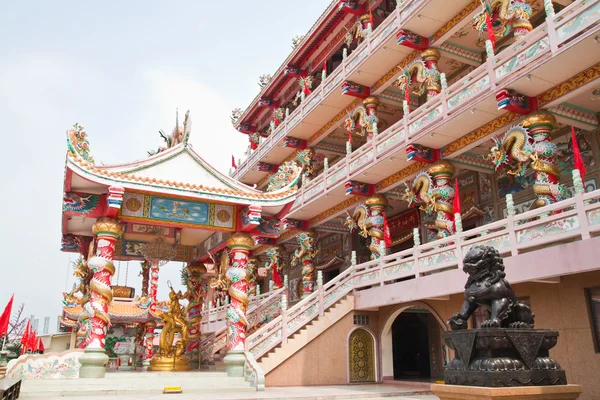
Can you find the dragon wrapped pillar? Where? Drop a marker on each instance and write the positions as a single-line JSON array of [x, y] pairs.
[[275, 265], [432, 189], [530, 145], [252, 275], [145, 274], [191, 277], [506, 16], [426, 73], [371, 220], [153, 284], [239, 245], [148, 341], [107, 231], [305, 255]]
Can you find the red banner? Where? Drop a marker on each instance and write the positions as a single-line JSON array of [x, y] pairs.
[[404, 222]]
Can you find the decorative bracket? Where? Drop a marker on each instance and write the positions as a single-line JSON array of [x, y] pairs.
[[247, 129], [263, 240], [294, 143], [295, 72], [268, 227], [250, 218], [416, 152], [268, 103], [290, 223], [356, 90], [266, 167], [352, 7], [510, 100], [359, 188], [114, 200], [407, 38]]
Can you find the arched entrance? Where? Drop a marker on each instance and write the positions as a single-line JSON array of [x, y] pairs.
[[412, 347], [361, 348]]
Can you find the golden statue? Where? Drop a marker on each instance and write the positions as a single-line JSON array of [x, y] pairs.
[[172, 357]]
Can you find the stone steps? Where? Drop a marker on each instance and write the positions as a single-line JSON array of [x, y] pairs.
[[136, 383]]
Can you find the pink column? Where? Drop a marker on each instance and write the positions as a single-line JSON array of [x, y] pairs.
[[148, 341], [153, 284]]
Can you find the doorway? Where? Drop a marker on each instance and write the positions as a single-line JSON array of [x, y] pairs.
[[410, 345], [362, 356]]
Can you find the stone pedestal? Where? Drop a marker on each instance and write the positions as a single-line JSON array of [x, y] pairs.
[[93, 363], [234, 361], [124, 360], [456, 392]]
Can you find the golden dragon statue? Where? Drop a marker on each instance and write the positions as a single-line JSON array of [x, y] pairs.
[[505, 15], [369, 219], [305, 255], [426, 73]]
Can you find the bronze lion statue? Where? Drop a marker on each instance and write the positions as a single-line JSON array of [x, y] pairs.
[[488, 288]]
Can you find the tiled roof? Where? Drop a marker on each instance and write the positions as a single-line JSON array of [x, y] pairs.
[[116, 309]]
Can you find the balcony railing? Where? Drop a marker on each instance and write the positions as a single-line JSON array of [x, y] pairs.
[[384, 32], [557, 35], [577, 218]]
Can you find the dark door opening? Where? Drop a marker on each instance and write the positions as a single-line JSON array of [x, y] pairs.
[[410, 346], [329, 275]]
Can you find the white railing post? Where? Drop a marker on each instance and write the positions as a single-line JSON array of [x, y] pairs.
[[320, 289], [284, 319], [417, 243], [580, 205], [510, 224]]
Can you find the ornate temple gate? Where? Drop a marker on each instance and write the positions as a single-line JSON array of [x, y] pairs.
[[361, 356]]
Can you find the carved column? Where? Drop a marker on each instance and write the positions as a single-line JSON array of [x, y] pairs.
[[192, 279], [153, 284], [252, 275], [432, 74], [240, 245], [306, 255], [443, 197], [145, 278], [376, 205], [149, 342], [107, 231]]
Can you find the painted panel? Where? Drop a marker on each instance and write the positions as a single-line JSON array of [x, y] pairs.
[[364, 159], [469, 92], [437, 259], [522, 58], [548, 229], [143, 229], [391, 141], [500, 243], [397, 269], [341, 173], [579, 23], [425, 120], [177, 212], [383, 35]]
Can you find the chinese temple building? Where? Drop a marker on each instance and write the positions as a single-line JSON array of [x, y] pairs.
[[395, 136]]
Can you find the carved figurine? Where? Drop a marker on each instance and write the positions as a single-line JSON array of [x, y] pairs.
[[505, 15], [370, 219], [275, 264], [252, 275], [488, 288], [191, 277], [363, 120], [433, 190]]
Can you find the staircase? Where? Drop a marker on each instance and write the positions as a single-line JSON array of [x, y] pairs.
[[305, 334]]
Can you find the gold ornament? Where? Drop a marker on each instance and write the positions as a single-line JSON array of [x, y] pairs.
[[109, 226], [376, 200], [242, 240]]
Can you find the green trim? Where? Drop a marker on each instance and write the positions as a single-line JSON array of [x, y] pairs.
[[585, 110]]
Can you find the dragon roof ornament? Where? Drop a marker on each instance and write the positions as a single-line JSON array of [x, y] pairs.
[[78, 144]]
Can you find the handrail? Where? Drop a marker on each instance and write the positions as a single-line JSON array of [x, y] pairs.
[[544, 226], [455, 99]]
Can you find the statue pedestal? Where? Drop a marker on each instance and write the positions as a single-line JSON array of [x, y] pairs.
[[172, 363], [456, 392], [234, 361], [499, 357], [93, 363]]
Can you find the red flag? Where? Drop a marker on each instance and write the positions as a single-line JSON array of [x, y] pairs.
[[277, 278], [325, 65], [5, 317], [490, 30], [25, 337], [40, 346], [577, 159], [456, 200], [387, 236], [407, 91], [32, 341], [306, 89], [371, 19], [233, 164]]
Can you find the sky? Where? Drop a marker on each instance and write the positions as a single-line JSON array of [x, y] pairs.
[[120, 69]]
